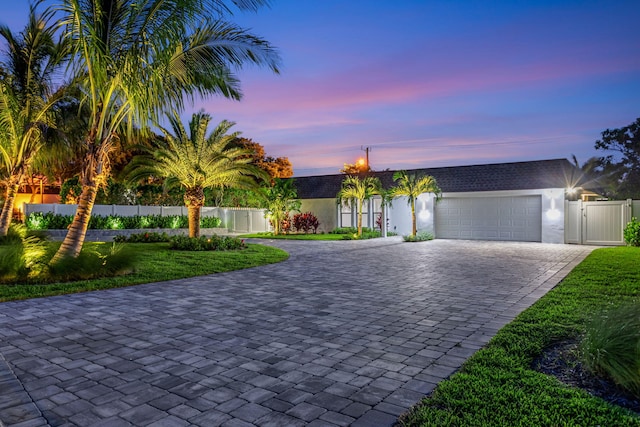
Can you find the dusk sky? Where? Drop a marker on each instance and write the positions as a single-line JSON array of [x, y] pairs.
[[433, 83]]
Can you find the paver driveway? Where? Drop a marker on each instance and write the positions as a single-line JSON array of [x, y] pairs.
[[343, 333]]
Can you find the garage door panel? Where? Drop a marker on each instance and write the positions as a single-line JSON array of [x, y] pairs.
[[490, 218]]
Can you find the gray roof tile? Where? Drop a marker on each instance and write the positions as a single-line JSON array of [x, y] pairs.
[[555, 173]]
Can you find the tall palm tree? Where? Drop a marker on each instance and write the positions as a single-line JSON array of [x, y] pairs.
[[136, 59], [26, 96], [281, 198], [358, 190], [196, 161], [412, 185]]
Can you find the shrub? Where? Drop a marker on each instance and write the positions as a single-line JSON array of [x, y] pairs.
[[611, 346], [632, 232], [348, 230], [203, 243], [286, 224], [47, 221], [151, 237], [366, 234], [210, 222], [306, 222], [90, 264], [21, 254], [421, 236], [51, 221]]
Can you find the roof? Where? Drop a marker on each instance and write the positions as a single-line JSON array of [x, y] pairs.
[[539, 174]]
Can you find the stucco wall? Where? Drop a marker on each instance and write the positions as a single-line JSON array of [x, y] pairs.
[[326, 210], [400, 215], [400, 212]]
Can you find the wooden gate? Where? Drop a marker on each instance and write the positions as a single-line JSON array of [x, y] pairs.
[[597, 223]]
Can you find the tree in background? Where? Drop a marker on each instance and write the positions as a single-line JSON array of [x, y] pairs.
[[360, 167], [624, 164], [276, 167], [133, 60], [279, 167], [281, 199], [592, 174], [196, 161], [412, 185], [26, 97], [357, 190]]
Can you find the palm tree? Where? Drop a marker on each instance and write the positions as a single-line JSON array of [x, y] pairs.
[[358, 190], [136, 59], [26, 97], [281, 199], [196, 161], [411, 186]]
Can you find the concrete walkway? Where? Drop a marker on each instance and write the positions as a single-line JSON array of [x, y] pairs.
[[343, 333]]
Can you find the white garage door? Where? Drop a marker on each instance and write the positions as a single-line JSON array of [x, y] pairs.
[[490, 218]]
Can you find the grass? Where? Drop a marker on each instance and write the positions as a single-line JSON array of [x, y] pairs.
[[293, 236], [155, 262], [326, 236], [498, 387]]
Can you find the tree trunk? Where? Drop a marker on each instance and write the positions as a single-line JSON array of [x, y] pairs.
[[360, 218], [414, 228], [7, 208], [95, 170], [194, 200], [73, 241], [194, 220], [276, 224]]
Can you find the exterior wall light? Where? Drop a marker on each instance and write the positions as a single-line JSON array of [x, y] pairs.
[[553, 213]]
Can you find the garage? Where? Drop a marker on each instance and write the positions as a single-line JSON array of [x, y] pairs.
[[517, 218]]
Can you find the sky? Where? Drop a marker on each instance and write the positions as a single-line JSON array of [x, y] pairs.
[[427, 83]]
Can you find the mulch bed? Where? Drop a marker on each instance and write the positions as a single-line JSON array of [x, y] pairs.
[[561, 361]]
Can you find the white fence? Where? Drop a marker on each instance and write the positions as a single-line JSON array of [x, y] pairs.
[[598, 223], [238, 220]]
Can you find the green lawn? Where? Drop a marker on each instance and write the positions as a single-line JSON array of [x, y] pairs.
[[293, 236], [155, 262], [497, 387], [326, 236]]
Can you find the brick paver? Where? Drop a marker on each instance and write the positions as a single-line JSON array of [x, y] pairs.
[[343, 333]]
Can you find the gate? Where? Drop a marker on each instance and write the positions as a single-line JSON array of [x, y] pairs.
[[597, 223]]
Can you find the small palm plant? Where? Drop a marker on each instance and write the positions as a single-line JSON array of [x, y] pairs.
[[358, 190], [196, 161], [281, 198], [411, 186]]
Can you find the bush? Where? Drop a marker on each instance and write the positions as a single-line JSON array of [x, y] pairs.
[[306, 222], [210, 222], [21, 254], [203, 243], [632, 232], [348, 230], [611, 346], [51, 221], [421, 236], [89, 264], [152, 237], [47, 221]]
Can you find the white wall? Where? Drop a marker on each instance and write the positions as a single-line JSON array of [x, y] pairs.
[[400, 215], [326, 210]]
